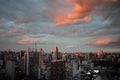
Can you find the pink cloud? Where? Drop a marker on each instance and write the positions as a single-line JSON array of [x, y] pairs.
[[80, 12], [61, 20], [104, 41], [27, 40]]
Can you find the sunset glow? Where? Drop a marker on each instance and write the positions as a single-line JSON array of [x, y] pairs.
[[72, 25], [104, 41]]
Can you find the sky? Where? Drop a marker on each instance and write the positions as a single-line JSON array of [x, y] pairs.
[[72, 25]]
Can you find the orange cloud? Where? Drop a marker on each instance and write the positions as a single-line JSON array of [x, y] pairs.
[[27, 40], [104, 41], [61, 20], [80, 11], [79, 14]]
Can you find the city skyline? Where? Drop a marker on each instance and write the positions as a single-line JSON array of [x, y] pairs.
[[72, 25]]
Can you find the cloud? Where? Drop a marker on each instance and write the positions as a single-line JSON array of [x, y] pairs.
[[20, 21], [12, 33], [61, 20], [3, 28], [105, 43], [102, 42], [27, 40], [70, 46], [81, 10], [35, 18]]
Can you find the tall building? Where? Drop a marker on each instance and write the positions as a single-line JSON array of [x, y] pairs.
[[55, 53], [100, 53], [64, 56], [55, 50], [57, 65], [58, 70], [76, 67]]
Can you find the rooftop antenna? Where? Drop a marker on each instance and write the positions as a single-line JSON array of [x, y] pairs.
[[35, 44]]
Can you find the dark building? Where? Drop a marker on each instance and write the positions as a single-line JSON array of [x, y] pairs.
[[58, 70]]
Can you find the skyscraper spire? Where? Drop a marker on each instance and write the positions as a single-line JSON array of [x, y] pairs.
[[55, 49]]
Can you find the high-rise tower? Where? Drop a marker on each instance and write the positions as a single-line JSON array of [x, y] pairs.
[[100, 53], [55, 54], [58, 70]]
